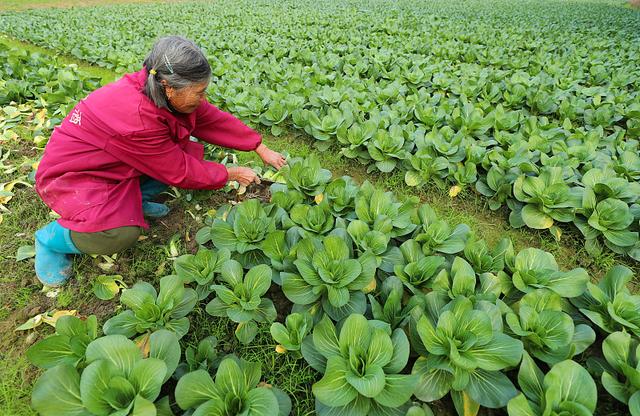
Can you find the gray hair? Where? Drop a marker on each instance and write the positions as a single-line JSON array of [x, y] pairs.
[[179, 62]]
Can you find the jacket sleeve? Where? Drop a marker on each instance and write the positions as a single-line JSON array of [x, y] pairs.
[[220, 128], [157, 156]]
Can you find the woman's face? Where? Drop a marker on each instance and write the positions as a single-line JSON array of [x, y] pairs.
[[187, 99]]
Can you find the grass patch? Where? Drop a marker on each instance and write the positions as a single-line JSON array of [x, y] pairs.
[[16, 378]]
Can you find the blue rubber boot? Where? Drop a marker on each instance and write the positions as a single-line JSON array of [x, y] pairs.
[[150, 189], [53, 246]]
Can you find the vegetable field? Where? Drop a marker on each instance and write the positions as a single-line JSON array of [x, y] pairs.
[[357, 284]]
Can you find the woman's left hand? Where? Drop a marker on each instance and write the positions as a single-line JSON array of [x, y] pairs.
[[271, 157]]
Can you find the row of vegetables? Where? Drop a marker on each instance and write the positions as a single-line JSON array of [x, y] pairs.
[[537, 110], [392, 306]]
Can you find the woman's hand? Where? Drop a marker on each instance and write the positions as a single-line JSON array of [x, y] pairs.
[[270, 157], [244, 176]]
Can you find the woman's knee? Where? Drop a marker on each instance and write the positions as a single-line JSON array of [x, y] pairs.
[[106, 242]]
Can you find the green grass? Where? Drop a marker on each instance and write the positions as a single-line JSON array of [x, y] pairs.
[[16, 377]]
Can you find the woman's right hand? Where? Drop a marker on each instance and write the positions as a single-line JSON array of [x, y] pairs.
[[244, 176]]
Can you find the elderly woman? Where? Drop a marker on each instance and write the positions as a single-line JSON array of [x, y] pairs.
[[123, 145]]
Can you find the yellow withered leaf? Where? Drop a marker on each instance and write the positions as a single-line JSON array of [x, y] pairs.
[[454, 191], [319, 198], [143, 342], [371, 286], [53, 318]]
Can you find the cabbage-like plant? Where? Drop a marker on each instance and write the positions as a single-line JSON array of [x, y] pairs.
[[544, 199], [388, 147], [366, 239], [274, 116], [290, 335], [239, 297], [324, 126], [341, 193], [119, 378], [567, 389], [470, 119], [355, 138], [201, 267], [460, 280], [610, 304], [621, 378], [235, 391], [67, 345], [202, 357], [314, 220], [388, 306], [330, 275], [483, 259], [426, 167], [547, 332], [461, 351], [246, 226], [496, 185], [278, 248], [287, 198], [437, 235], [534, 269], [373, 205], [150, 310], [416, 269], [609, 218], [306, 175], [361, 364]]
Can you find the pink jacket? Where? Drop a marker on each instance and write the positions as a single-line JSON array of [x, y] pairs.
[[91, 167]]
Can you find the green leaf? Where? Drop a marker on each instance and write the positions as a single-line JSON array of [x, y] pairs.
[[534, 218], [222, 235], [25, 252], [371, 383], [140, 294], [490, 389], [434, 379], [246, 332], [194, 389], [325, 339], [143, 407], [634, 404], [262, 402], [258, 280], [400, 352], [519, 406], [333, 389], [164, 345], [297, 290], [412, 178], [106, 287], [94, 385], [147, 377], [571, 382], [530, 379], [52, 351], [501, 352], [125, 323], [397, 390], [57, 392], [117, 350], [355, 332]]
